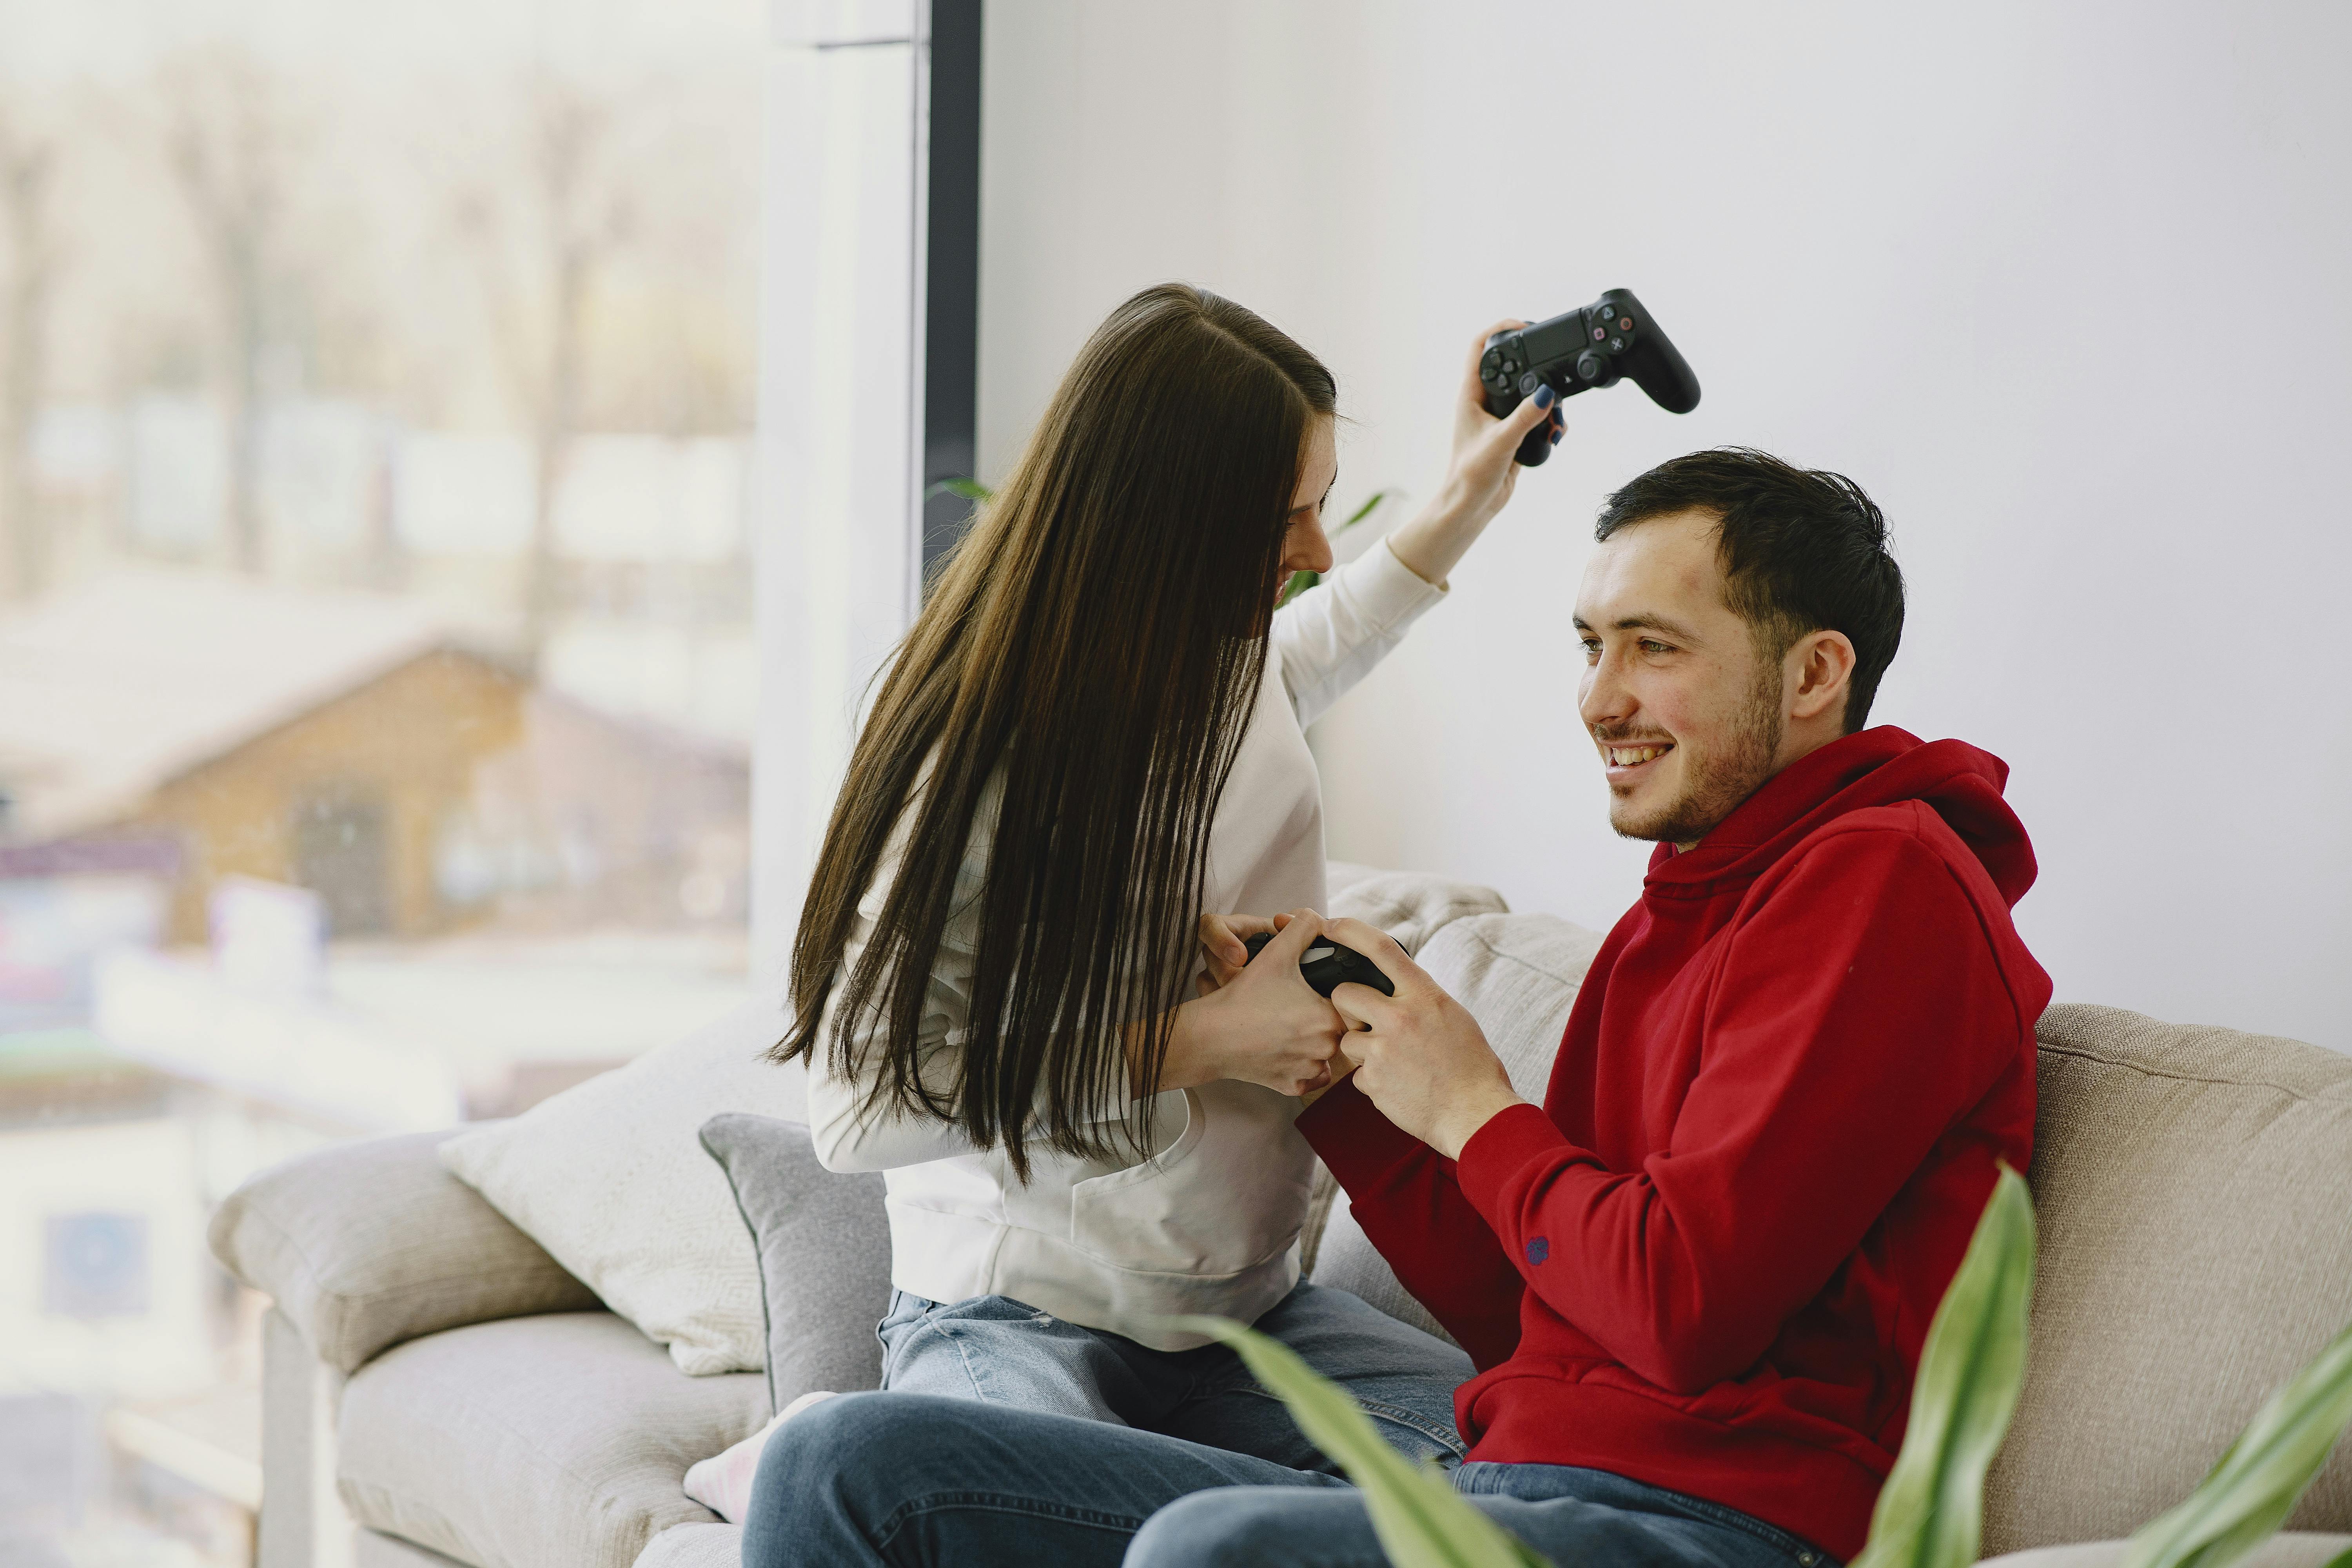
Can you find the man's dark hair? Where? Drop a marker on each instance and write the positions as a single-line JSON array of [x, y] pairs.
[[1802, 551]]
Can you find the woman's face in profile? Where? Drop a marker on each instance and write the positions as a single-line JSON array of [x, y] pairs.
[[1305, 546]]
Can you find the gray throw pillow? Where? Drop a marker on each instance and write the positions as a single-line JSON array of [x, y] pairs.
[[824, 1243]]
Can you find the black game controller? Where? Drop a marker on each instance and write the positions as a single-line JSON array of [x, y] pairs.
[[1326, 966], [1611, 337]]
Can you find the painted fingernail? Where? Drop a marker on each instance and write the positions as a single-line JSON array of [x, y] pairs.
[[1556, 436], [1544, 397]]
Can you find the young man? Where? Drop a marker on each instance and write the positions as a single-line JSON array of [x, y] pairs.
[[1695, 1280]]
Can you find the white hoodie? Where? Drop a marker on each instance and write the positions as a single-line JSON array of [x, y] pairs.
[[1209, 1223]]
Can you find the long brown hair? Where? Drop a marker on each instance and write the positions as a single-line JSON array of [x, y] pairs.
[[1099, 636]]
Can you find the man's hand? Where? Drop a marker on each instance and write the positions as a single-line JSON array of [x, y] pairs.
[[1419, 1056]]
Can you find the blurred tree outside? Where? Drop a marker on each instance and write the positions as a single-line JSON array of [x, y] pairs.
[[376, 652]]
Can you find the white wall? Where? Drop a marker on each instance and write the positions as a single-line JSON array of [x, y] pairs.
[[2064, 288]]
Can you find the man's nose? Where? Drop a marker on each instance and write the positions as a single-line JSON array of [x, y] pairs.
[[1603, 697]]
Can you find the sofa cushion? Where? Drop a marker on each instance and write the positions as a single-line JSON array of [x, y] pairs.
[[364, 1244], [1407, 905], [721, 1546], [2290, 1549], [609, 1176], [2190, 1185], [824, 1244], [1518, 975], [548, 1442]]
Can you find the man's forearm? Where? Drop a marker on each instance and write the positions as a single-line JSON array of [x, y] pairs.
[[1410, 1208]]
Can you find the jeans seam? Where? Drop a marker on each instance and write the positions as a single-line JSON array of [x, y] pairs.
[[1445, 1437], [1489, 1482], [1748, 1525], [908, 1512]]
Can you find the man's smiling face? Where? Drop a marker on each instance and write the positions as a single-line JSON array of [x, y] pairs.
[[1686, 712]]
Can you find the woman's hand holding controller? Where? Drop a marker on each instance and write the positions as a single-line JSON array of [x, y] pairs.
[[1481, 476], [1258, 1023]]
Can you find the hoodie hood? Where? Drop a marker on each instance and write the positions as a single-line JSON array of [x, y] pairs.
[[1874, 767]]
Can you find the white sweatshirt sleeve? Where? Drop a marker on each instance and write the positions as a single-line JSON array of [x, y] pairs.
[[1329, 638]]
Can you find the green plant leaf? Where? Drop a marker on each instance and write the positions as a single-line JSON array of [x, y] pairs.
[[1299, 583], [1420, 1520], [2254, 1486], [1930, 1513], [1371, 503], [969, 490]]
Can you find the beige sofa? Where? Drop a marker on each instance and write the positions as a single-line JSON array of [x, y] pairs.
[[438, 1389]]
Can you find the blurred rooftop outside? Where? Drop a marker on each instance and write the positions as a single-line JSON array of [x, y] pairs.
[[377, 656]]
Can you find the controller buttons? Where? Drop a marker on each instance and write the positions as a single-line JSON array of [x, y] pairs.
[[1599, 334], [1617, 346], [1624, 323]]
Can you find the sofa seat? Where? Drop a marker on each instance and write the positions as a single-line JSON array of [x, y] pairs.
[[558, 1441]]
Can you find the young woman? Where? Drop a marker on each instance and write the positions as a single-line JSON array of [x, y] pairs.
[[1093, 737]]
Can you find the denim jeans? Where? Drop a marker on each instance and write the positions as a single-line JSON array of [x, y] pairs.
[[1002, 1351], [906, 1480], [1588, 1519]]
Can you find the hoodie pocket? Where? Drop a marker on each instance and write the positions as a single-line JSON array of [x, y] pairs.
[[1229, 1193]]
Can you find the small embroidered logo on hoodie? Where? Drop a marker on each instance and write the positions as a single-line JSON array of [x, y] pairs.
[[1539, 1249]]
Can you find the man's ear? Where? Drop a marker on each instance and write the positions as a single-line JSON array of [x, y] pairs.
[[1820, 669]]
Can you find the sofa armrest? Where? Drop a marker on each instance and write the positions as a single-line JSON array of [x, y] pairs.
[[365, 1244]]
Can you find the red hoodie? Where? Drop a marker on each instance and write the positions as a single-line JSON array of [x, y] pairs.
[[1709, 1262]]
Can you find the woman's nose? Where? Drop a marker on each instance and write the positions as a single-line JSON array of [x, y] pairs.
[[1306, 548]]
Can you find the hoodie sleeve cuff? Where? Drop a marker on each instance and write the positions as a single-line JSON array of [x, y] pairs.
[[1497, 1153], [1352, 1136]]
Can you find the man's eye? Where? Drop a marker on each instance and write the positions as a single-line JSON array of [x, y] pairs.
[[1591, 647], [1651, 646]]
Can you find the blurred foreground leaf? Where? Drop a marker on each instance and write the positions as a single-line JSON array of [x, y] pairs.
[[1420, 1520], [2254, 1486], [1930, 1513]]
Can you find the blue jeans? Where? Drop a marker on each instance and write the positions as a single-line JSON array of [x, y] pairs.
[[907, 1478], [1007, 1352]]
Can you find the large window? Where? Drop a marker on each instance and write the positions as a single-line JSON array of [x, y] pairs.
[[376, 658]]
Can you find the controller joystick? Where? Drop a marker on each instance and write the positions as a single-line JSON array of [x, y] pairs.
[[1611, 339], [1326, 966]]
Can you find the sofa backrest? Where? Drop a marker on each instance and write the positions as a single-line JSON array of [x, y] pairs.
[[2193, 1189]]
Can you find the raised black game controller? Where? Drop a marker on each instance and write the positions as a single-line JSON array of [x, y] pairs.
[[1326, 966], [1612, 338]]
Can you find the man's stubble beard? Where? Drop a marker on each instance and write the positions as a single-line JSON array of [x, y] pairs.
[[1718, 785]]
